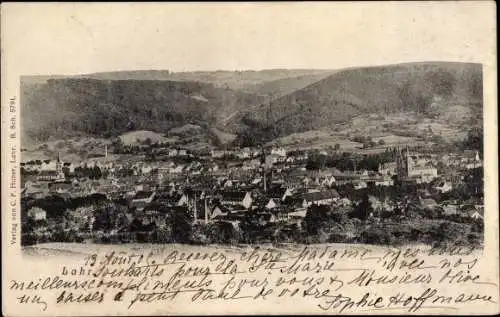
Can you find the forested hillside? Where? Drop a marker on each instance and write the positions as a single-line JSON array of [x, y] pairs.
[[258, 105], [79, 106], [345, 94]]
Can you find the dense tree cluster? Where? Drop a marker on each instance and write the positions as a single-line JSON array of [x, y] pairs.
[[111, 107], [349, 161]]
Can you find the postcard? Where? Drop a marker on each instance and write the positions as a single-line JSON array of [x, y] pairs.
[[249, 158]]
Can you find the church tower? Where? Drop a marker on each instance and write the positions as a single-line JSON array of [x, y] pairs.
[[59, 167], [409, 162], [402, 163], [58, 163]]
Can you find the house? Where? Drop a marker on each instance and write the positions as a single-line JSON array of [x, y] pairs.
[[301, 157], [146, 169], [345, 202], [384, 182], [143, 197], [213, 168], [37, 214], [227, 212], [251, 164], [388, 169], [306, 181], [83, 212], [298, 213], [417, 167], [138, 205], [319, 198], [243, 198], [426, 172], [152, 215], [48, 165], [157, 175], [172, 152], [278, 151], [387, 205], [328, 181], [428, 203], [61, 187], [256, 181], [219, 212], [444, 187], [473, 165], [31, 166], [172, 199], [476, 214], [183, 200], [198, 193], [375, 202], [218, 153], [360, 185], [450, 210], [69, 166], [279, 193], [182, 152], [244, 153], [178, 169], [471, 160], [50, 176], [272, 204], [347, 178]]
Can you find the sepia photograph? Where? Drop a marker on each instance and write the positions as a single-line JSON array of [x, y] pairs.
[[388, 155], [225, 130], [376, 154]]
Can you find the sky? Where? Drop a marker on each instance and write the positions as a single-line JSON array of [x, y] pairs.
[[76, 38]]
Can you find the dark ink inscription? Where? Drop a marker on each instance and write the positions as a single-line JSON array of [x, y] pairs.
[[338, 280]]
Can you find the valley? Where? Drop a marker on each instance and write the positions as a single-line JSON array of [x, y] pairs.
[[421, 103]]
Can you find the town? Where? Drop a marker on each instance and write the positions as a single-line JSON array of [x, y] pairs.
[[160, 194]]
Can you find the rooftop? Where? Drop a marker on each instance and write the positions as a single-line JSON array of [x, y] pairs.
[[143, 194], [233, 195]]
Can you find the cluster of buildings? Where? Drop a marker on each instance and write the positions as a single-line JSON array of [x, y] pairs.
[[274, 187], [414, 167]]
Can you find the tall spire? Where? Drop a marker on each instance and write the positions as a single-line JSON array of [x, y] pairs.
[[195, 209], [265, 180], [206, 211]]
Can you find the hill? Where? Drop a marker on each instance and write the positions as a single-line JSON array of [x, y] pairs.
[[105, 108], [235, 80], [137, 137], [284, 86], [415, 87], [259, 106]]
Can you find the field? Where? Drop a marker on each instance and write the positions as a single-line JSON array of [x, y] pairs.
[[135, 137], [223, 137], [72, 150], [395, 130]]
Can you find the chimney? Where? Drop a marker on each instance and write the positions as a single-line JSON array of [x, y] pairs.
[[265, 181], [106, 151], [206, 212], [195, 210]]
